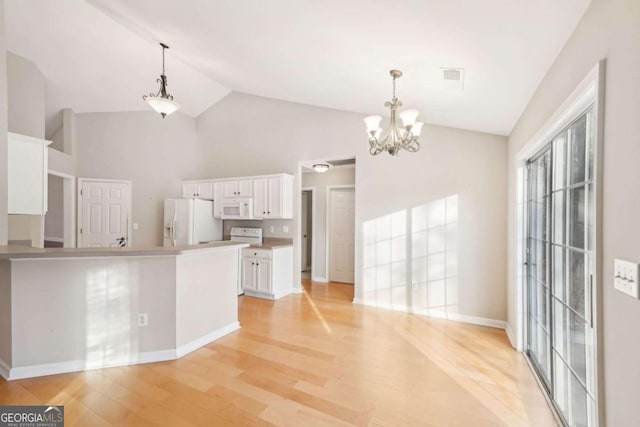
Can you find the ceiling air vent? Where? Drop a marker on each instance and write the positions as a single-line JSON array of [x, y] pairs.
[[453, 78]]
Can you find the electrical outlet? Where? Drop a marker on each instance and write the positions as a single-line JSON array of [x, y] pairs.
[[135, 225], [143, 319], [626, 277], [285, 228], [272, 229]]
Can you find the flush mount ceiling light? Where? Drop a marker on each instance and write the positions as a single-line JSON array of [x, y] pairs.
[[395, 137], [321, 167], [162, 102]]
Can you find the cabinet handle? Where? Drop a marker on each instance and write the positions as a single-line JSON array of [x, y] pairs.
[[269, 212], [263, 212], [253, 263], [257, 263]]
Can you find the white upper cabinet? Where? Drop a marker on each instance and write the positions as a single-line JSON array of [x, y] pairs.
[[218, 192], [27, 174], [239, 188], [273, 197], [197, 190]]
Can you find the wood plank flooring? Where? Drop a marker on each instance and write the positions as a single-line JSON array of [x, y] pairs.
[[311, 360]]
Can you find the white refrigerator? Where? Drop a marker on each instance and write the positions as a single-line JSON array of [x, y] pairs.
[[190, 222]]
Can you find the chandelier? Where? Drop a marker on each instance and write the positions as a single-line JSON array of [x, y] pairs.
[[162, 102], [395, 137]]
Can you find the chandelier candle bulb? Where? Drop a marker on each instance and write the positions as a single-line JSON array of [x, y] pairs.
[[395, 137]]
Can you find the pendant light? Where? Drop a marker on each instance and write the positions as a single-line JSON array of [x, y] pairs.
[[396, 137], [162, 102]]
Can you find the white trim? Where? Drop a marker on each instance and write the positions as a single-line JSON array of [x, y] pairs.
[[60, 174], [319, 279], [328, 226], [125, 360], [4, 369], [507, 329], [69, 209], [438, 314], [82, 365], [129, 213], [206, 339]]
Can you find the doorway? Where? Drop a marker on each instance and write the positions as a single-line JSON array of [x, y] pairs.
[[560, 334], [306, 220], [104, 213], [341, 233]]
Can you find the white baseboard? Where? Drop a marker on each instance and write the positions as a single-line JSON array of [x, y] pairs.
[[319, 279], [82, 365], [134, 359], [456, 317], [512, 340], [206, 339], [4, 369]]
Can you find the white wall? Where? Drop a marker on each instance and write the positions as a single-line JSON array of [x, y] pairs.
[[3, 133], [248, 135], [155, 153], [609, 29], [320, 181]]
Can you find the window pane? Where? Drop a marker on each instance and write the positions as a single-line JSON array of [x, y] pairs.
[[558, 207], [577, 152], [559, 167], [559, 272], [576, 225], [576, 283], [572, 336], [572, 399]]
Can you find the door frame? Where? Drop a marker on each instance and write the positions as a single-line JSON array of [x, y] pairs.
[[312, 190], [69, 225], [588, 94], [328, 228], [81, 181]]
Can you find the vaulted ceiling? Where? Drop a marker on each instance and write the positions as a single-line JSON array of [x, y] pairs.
[[102, 55]]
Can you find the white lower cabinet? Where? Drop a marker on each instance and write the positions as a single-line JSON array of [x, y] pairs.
[[267, 273]]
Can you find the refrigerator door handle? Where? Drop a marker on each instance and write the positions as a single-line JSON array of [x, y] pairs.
[[173, 230]]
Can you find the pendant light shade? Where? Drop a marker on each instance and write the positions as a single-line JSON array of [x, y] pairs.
[[162, 102]]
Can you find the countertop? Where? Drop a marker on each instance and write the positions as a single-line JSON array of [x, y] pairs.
[[16, 252], [272, 243]]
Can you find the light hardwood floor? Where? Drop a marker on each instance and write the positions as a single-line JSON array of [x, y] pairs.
[[308, 360]]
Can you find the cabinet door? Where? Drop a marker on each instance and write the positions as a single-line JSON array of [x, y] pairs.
[[244, 188], [231, 189], [248, 274], [189, 190], [263, 276], [274, 204], [205, 191], [218, 195], [260, 198]]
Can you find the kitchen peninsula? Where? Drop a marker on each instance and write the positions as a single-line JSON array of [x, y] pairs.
[[65, 310]]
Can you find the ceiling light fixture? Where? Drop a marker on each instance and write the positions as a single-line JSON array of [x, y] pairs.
[[321, 167], [396, 137], [162, 102]]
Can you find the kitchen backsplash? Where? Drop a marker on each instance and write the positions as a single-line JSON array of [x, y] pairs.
[[267, 225]]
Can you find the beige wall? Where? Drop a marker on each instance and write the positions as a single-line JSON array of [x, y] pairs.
[[3, 132], [249, 135], [609, 29], [26, 88], [54, 219], [155, 153], [320, 181]]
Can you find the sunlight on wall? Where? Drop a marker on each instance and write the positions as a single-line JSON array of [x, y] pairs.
[[410, 259], [111, 336]]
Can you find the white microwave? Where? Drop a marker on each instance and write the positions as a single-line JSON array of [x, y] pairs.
[[239, 208]]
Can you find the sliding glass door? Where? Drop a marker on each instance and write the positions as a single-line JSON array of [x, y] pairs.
[[560, 244]]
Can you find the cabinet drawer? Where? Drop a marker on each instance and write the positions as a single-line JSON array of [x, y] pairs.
[[257, 253]]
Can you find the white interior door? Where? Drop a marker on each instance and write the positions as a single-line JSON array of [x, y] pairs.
[[341, 235], [105, 209], [305, 229]]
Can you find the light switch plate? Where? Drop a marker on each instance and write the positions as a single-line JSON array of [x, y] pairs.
[[285, 228], [135, 225], [626, 277]]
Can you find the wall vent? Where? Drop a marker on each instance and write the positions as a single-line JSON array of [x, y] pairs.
[[453, 78]]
